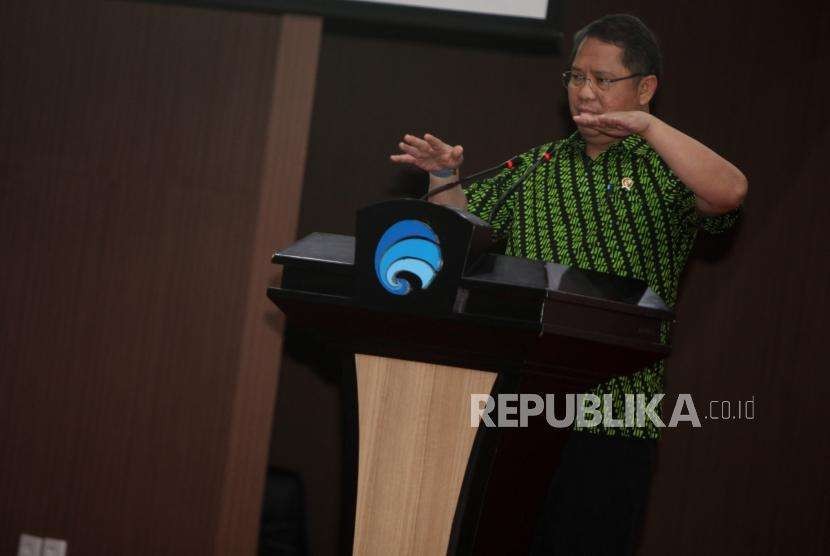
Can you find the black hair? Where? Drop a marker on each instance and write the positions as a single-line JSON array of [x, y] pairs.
[[641, 53]]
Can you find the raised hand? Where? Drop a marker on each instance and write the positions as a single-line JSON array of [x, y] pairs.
[[430, 153], [616, 124]]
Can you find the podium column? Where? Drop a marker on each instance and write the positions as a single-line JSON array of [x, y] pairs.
[[415, 442]]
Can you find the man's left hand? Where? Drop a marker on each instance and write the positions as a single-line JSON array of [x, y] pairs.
[[616, 124]]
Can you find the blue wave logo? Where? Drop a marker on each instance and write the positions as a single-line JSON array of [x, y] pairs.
[[408, 246]]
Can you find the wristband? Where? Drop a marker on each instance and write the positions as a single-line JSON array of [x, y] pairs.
[[445, 173]]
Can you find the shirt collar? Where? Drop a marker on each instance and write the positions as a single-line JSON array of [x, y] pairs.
[[633, 143]]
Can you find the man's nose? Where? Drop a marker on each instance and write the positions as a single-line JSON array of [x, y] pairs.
[[586, 91]]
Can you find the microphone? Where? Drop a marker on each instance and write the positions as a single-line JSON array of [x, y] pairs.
[[544, 157], [509, 164]]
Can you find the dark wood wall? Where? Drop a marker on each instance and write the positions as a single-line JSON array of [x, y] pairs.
[[746, 78], [150, 160]]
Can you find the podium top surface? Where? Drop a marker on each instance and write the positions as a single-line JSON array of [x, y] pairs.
[[318, 247], [551, 280]]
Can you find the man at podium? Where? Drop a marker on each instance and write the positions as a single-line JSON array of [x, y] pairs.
[[624, 194]]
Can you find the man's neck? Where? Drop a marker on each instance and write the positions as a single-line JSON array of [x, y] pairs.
[[593, 149]]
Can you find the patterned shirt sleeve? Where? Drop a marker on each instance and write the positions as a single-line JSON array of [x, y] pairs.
[[686, 206]]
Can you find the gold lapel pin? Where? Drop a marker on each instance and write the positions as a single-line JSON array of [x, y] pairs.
[[627, 183]]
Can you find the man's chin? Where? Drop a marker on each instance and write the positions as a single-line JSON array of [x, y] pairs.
[[588, 132]]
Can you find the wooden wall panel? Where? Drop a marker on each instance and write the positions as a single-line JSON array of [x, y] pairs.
[[141, 192], [283, 166]]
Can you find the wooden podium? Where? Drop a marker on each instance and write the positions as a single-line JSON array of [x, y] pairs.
[[433, 318]]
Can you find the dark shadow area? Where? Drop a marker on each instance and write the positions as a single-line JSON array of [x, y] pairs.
[[540, 42], [284, 523]]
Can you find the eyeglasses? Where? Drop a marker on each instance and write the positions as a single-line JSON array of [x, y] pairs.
[[577, 80]]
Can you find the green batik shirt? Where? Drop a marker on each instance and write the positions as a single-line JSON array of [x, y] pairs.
[[623, 213]]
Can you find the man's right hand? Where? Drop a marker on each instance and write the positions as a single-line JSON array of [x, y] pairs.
[[429, 154]]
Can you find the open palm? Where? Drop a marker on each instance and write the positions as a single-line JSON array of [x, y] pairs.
[[429, 154]]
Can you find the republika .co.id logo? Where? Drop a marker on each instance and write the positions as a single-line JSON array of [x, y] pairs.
[[407, 249]]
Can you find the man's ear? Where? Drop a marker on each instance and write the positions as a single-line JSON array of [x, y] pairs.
[[646, 89]]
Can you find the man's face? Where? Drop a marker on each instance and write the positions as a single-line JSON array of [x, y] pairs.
[[595, 60]]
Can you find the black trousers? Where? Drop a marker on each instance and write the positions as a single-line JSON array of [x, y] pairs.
[[597, 497]]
